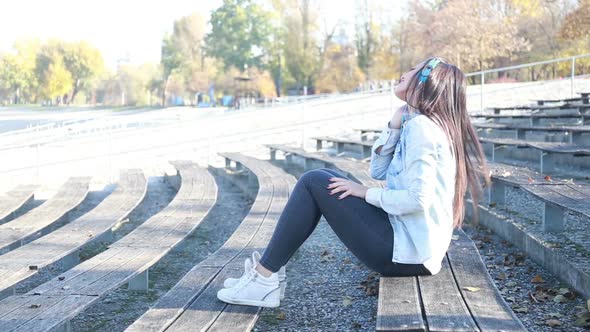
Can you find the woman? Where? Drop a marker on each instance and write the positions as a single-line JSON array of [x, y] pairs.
[[429, 156]]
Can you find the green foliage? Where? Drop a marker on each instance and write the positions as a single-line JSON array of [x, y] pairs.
[[240, 34], [54, 78]]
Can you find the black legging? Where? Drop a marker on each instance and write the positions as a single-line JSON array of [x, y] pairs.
[[362, 227]]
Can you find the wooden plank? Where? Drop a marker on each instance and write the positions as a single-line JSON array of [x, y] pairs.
[[13, 200], [488, 308], [202, 282], [27, 226], [113, 267], [399, 307], [68, 239], [443, 303], [174, 302], [243, 318]]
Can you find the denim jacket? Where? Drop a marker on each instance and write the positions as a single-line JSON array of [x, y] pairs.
[[419, 168]]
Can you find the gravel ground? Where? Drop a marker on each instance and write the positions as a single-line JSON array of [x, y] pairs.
[[324, 281], [537, 297], [120, 308]]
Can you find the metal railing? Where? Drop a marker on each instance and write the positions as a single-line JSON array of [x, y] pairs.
[[572, 76]]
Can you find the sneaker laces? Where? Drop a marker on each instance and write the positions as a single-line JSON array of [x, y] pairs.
[[249, 274]]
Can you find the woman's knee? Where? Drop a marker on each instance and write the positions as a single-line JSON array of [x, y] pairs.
[[320, 175]]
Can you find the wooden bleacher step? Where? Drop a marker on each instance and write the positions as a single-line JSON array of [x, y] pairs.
[[192, 303], [51, 305], [13, 200], [63, 244], [28, 226]]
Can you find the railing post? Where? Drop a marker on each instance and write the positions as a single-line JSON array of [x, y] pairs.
[[573, 75], [481, 91]]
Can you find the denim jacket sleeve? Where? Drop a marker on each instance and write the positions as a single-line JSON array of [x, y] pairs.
[[380, 161], [420, 162]]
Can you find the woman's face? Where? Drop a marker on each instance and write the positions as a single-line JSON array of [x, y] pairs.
[[400, 89]]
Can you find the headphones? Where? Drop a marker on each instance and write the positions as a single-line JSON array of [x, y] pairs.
[[426, 71]]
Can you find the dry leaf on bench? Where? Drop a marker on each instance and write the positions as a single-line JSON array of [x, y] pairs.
[[346, 301], [553, 322], [472, 289]]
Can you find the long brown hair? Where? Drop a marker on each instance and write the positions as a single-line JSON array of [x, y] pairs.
[[442, 99]]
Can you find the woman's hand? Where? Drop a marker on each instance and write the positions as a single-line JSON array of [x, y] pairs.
[[347, 187]]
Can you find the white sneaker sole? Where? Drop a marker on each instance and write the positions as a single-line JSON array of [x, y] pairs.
[[283, 285], [265, 304]]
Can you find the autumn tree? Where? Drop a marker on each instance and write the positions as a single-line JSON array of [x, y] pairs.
[[340, 72]]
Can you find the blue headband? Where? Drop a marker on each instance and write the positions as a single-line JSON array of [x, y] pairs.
[[426, 71]]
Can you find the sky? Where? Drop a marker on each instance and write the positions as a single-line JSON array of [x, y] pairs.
[[125, 28]]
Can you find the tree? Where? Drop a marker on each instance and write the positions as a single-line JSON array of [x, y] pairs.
[[85, 64], [340, 72], [17, 71], [240, 34], [302, 52], [472, 34], [54, 78], [577, 23], [182, 55]]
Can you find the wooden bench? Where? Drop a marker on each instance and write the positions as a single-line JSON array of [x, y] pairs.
[[534, 119], [51, 305], [364, 132], [192, 303], [315, 159], [13, 200], [584, 99], [339, 143], [63, 245], [548, 151], [442, 302], [574, 133], [557, 195], [572, 105], [39, 220]]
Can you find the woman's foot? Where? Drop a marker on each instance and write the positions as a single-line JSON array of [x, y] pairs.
[[230, 282], [253, 289]]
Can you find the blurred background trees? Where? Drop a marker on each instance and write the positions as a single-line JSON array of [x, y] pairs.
[[269, 48]]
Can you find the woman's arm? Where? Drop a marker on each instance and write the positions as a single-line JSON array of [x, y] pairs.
[[382, 150], [421, 163]]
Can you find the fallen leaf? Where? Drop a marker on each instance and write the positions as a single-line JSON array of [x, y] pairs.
[[346, 301], [537, 279], [531, 180], [281, 315], [559, 299], [547, 178], [555, 315], [472, 289], [553, 322], [522, 310]]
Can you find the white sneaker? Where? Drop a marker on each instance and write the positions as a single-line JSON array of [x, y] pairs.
[[253, 289], [231, 282]]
